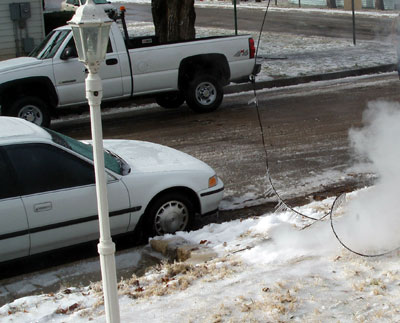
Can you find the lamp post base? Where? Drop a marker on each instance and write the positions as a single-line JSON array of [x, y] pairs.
[[106, 251]]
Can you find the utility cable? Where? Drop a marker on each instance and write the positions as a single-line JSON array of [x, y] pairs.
[[336, 204], [282, 205]]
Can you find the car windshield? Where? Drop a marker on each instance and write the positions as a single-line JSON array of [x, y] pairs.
[[49, 46], [111, 160]]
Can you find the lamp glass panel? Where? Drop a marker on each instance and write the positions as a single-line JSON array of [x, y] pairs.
[[92, 43]]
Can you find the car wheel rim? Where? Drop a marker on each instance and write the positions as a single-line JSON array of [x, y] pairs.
[[32, 114], [206, 93], [172, 216]]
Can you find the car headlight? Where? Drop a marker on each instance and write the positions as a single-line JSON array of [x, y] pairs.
[[212, 181]]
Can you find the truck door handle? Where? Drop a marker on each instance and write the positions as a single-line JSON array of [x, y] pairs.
[[41, 207], [111, 61]]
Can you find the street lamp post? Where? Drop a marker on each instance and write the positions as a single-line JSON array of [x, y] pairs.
[[91, 28]]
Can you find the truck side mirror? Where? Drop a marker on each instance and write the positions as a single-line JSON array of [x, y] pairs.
[[69, 52]]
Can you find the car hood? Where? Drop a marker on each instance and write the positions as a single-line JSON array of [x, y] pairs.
[[144, 156], [19, 62]]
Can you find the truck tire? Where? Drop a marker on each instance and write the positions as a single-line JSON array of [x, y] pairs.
[[204, 94], [32, 109], [170, 100], [169, 213]]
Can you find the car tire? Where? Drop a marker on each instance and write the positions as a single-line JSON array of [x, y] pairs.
[[204, 94], [169, 213], [170, 100], [32, 109]]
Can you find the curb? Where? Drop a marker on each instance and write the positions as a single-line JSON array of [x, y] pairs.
[[310, 78]]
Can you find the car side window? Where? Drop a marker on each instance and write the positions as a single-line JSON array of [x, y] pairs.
[[8, 185], [43, 168]]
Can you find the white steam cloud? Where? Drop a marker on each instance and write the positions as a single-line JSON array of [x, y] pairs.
[[371, 222]]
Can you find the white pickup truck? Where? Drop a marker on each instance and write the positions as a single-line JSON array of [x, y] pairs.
[[196, 71]]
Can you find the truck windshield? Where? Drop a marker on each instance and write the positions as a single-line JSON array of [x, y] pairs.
[[49, 46]]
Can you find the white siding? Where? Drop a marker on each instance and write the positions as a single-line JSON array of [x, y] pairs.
[[8, 35]]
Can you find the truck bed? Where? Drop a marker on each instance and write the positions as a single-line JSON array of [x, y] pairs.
[[152, 40]]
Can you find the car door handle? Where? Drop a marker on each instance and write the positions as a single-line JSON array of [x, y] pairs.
[[111, 61], [41, 207]]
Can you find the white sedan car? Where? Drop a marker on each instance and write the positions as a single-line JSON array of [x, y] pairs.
[[48, 194]]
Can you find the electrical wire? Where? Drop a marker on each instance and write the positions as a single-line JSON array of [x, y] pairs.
[[282, 205], [336, 204]]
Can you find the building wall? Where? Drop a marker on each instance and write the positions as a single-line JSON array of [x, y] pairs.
[[17, 39]]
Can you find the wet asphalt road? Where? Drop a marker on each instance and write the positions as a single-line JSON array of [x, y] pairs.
[[305, 130]]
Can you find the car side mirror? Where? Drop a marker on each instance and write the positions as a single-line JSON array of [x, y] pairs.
[[69, 52]]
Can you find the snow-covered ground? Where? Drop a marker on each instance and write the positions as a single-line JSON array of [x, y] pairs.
[[277, 267], [289, 55], [267, 270]]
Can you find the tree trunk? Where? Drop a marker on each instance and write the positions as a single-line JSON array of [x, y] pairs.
[[331, 3], [173, 19], [379, 5]]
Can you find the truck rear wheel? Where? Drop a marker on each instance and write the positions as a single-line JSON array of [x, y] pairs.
[[170, 100], [32, 109], [204, 94]]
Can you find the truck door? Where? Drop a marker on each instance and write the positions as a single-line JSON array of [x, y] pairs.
[[70, 75]]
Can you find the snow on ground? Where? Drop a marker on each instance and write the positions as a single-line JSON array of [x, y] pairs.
[[267, 270]]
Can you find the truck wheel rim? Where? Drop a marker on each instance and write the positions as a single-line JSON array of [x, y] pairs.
[[206, 93], [32, 114], [172, 216]]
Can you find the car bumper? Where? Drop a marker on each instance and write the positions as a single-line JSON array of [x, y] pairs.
[[257, 69], [210, 199]]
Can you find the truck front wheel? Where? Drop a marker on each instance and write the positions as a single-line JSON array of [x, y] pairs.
[[32, 109], [204, 94]]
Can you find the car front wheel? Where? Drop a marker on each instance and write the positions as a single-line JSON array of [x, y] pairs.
[[204, 94], [170, 213], [32, 109]]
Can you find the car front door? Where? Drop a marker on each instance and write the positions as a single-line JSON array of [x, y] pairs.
[[14, 234], [59, 195], [70, 75]]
